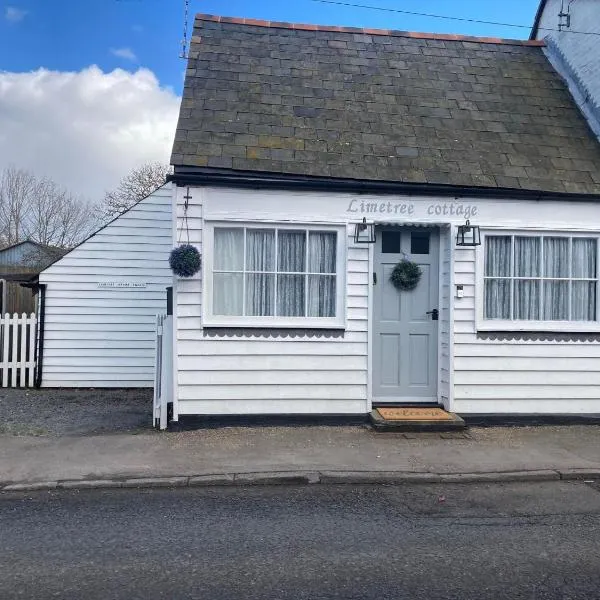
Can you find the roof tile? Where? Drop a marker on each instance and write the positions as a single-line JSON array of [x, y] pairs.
[[379, 104]]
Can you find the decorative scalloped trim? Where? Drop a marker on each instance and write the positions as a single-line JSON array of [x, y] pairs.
[[269, 332], [537, 336]]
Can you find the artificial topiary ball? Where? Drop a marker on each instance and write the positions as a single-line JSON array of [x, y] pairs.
[[185, 260]]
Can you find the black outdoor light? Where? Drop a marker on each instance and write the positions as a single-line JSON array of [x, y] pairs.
[[364, 233], [468, 235]]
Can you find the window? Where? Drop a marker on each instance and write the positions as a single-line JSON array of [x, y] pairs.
[[276, 275], [545, 281]]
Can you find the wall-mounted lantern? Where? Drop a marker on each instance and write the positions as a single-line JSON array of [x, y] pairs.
[[364, 233], [468, 235]]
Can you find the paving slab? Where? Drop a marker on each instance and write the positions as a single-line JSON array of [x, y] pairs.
[[573, 451]]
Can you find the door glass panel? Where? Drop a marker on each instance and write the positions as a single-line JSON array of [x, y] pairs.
[[390, 242], [419, 242]]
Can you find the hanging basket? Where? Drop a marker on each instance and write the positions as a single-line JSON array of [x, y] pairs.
[[406, 275], [185, 260]]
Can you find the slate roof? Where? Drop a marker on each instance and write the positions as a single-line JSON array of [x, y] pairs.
[[380, 105]]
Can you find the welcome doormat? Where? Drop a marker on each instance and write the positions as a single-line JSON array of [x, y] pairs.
[[414, 414]]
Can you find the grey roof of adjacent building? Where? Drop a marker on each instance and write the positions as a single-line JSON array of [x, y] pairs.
[[380, 105]]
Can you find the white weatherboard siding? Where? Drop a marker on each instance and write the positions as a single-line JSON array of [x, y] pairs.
[[517, 375], [241, 374], [103, 297], [244, 375]]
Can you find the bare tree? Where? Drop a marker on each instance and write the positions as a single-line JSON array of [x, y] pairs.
[[38, 209], [17, 188], [133, 187], [57, 218]]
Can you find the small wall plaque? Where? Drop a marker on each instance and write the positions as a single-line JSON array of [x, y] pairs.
[[122, 284]]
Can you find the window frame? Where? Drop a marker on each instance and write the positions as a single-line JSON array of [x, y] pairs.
[[517, 325], [209, 319]]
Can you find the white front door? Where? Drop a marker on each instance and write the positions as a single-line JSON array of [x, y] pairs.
[[405, 323]]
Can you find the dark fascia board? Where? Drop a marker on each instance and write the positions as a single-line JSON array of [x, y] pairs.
[[262, 180], [536, 21]]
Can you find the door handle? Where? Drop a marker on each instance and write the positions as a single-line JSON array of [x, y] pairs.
[[435, 314]]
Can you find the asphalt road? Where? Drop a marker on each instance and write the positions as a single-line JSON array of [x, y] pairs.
[[534, 541]]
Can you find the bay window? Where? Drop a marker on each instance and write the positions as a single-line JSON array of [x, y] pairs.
[[274, 275], [539, 281]]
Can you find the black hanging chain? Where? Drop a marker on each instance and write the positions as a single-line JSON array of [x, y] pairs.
[[185, 223]]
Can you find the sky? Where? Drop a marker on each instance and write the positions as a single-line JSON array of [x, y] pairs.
[[90, 88]]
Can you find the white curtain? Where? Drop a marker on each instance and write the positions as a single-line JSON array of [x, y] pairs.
[[546, 289], [291, 258], [555, 304], [260, 287], [583, 293], [497, 264], [322, 287], [228, 286], [299, 281]]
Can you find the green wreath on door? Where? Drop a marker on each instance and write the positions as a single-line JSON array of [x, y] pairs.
[[406, 275]]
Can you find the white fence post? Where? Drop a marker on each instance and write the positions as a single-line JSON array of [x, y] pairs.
[[157, 370], [163, 370], [17, 356]]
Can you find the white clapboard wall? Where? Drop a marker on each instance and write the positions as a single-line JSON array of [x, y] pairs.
[[102, 299]]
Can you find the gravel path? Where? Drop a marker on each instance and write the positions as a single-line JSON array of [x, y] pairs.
[[74, 411]]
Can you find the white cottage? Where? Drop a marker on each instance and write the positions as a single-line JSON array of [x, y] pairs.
[[311, 163], [292, 138]]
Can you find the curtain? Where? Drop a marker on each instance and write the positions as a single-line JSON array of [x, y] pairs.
[[321, 252], [555, 302], [544, 282], [497, 298], [321, 296], [583, 293], [497, 264], [228, 287], [526, 300], [291, 258], [299, 280], [260, 287], [321, 288]]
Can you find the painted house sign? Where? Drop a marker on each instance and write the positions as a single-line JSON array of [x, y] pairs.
[[437, 209], [122, 284]]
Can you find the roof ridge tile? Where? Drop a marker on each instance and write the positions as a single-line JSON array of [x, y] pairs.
[[365, 30]]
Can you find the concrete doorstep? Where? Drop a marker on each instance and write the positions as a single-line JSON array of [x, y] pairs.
[[304, 478]]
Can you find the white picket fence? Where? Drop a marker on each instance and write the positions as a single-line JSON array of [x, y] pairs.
[[163, 369], [17, 350]]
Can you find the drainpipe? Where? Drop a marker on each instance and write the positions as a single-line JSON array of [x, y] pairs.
[[40, 337]]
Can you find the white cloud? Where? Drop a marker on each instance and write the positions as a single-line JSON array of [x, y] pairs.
[[14, 14], [85, 129], [126, 53]]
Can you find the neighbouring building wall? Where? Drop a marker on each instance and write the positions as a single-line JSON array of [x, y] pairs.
[[575, 51], [103, 297]]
